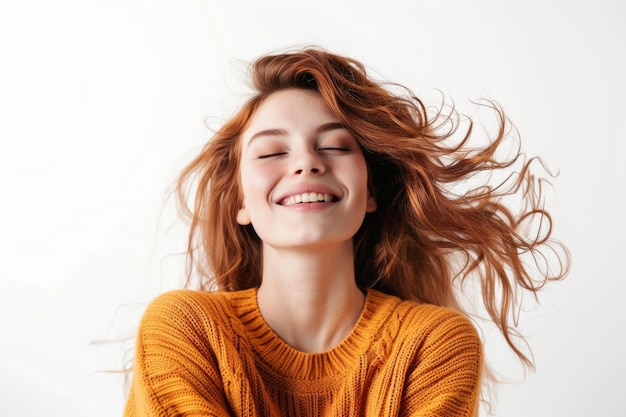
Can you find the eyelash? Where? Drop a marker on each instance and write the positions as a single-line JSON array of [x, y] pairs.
[[334, 148], [328, 148], [271, 155]]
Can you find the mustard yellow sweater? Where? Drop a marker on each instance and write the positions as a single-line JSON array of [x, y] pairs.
[[212, 354]]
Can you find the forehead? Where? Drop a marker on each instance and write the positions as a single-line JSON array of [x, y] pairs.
[[289, 109]]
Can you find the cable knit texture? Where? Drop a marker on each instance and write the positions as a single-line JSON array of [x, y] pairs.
[[212, 354]]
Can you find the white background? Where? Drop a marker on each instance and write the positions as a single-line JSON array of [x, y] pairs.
[[102, 103]]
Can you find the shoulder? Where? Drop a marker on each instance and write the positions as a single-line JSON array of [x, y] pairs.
[[441, 322], [190, 309], [430, 325], [177, 302], [439, 353]]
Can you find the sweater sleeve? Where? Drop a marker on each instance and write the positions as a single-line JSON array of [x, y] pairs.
[[175, 372], [446, 379]]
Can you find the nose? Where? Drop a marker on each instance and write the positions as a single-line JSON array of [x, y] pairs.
[[308, 162]]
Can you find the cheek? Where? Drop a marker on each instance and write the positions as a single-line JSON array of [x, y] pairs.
[[358, 172], [256, 182], [362, 184], [251, 187]]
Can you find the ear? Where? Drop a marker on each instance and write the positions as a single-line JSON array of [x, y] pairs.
[[371, 204], [243, 217]]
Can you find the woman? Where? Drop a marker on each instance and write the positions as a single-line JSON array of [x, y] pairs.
[[324, 218]]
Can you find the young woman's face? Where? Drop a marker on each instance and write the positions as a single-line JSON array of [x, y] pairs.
[[303, 175]]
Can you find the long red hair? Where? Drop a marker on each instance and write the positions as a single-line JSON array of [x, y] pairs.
[[426, 239]]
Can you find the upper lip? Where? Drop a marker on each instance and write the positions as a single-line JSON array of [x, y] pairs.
[[309, 188]]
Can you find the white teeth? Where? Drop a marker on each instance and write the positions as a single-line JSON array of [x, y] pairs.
[[308, 198]]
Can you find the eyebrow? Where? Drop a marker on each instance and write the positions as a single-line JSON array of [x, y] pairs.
[[326, 127]]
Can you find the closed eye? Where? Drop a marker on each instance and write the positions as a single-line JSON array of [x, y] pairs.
[[333, 148], [270, 155]]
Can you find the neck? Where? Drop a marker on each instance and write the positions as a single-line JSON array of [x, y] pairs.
[[310, 297]]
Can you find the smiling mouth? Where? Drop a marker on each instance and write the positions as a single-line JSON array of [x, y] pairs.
[[308, 198]]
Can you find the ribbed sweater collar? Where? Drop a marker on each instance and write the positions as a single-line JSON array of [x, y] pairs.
[[276, 357]]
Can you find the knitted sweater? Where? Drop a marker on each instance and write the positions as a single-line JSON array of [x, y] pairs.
[[212, 354]]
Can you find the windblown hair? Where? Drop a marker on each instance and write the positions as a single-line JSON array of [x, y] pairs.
[[426, 239]]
